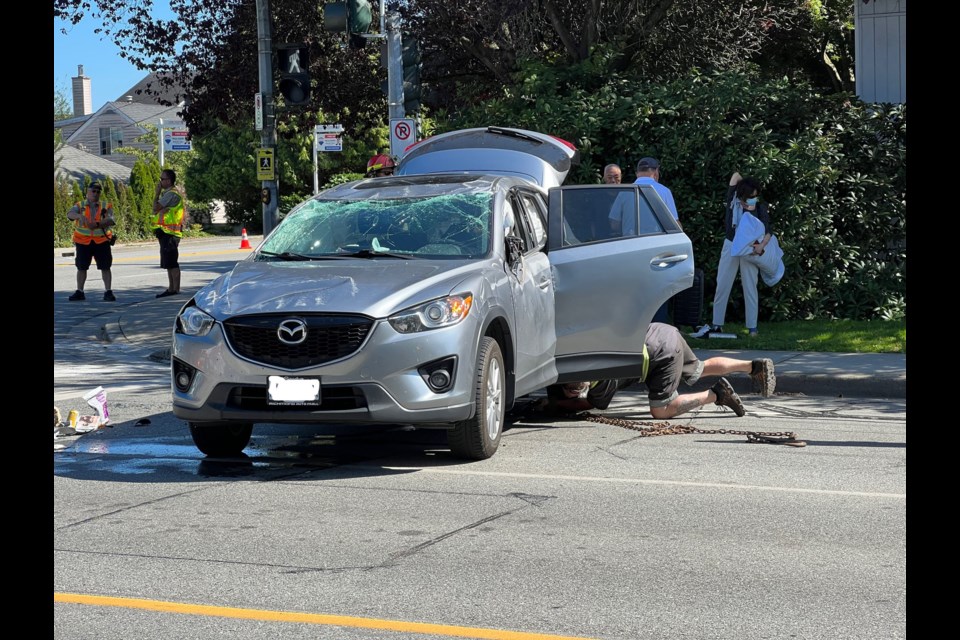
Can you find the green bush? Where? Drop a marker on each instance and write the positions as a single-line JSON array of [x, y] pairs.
[[833, 170]]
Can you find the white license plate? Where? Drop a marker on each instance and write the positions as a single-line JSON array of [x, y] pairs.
[[284, 390]]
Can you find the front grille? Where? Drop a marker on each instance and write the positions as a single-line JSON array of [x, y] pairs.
[[328, 337]]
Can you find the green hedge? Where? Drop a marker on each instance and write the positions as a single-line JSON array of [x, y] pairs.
[[833, 170]]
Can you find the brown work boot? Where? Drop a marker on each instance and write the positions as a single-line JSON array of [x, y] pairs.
[[727, 397], [764, 380]]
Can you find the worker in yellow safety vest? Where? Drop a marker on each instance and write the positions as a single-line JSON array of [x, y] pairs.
[[168, 211], [92, 239]]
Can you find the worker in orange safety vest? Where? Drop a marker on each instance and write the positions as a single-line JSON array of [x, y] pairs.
[[92, 239]]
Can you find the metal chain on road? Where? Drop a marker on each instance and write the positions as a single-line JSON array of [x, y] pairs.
[[649, 429]]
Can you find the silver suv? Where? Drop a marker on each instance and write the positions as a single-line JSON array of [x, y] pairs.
[[434, 298]]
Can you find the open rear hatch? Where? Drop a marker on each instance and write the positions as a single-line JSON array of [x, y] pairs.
[[540, 158]]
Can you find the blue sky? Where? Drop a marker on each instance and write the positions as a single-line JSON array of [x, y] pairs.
[[110, 75]]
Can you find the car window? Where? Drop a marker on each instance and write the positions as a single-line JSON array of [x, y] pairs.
[[427, 227], [536, 216], [605, 212], [521, 227], [648, 219]]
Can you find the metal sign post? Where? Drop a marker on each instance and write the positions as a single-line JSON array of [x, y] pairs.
[[326, 137], [403, 133]]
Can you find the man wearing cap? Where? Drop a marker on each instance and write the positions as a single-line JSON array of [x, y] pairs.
[[91, 240], [648, 172]]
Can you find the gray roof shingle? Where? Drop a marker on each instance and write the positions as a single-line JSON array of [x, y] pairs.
[[173, 95], [75, 164]]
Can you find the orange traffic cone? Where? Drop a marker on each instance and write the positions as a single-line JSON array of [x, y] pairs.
[[244, 242]]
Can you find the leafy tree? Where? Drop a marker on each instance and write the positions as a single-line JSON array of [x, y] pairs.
[[476, 46], [62, 201], [61, 111], [216, 57], [143, 183], [832, 167], [470, 48], [224, 166], [61, 105], [820, 47]]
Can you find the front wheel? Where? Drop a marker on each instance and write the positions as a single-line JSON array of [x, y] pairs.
[[479, 437], [221, 439]]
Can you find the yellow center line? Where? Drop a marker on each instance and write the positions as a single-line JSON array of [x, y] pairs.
[[306, 618]]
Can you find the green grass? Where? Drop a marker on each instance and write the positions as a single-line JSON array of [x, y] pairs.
[[840, 336]]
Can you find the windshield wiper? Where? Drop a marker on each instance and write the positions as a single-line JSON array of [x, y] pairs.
[[369, 253], [287, 255]]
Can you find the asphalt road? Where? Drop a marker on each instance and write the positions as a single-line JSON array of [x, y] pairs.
[[572, 530]]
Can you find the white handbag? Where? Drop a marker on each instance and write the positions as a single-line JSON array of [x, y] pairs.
[[770, 262]]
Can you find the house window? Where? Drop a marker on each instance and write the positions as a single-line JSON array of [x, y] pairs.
[[110, 139]]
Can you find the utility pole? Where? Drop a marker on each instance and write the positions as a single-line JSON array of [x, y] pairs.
[[394, 65], [160, 141], [268, 136]]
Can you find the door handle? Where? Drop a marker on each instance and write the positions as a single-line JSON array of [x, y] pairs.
[[663, 262]]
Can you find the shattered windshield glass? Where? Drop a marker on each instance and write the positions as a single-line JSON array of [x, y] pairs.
[[455, 225]]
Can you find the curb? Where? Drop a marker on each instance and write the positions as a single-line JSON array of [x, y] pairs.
[[112, 332]]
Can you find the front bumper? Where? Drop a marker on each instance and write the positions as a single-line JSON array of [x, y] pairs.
[[377, 384]]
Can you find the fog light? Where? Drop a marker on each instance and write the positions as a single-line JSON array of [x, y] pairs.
[[183, 375], [439, 374], [439, 379]]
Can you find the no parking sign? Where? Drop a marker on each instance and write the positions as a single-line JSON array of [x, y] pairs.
[[403, 133]]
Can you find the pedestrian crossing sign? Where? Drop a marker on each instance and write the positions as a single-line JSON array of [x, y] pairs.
[[265, 166]]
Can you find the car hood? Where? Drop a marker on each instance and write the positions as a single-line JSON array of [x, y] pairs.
[[376, 289]]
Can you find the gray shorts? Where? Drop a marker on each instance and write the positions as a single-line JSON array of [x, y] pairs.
[[671, 360]]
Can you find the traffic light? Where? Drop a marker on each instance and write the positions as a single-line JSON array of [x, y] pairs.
[[353, 17], [358, 16], [410, 53], [294, 63]]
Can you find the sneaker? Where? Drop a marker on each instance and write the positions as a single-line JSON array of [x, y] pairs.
[[764, 379], [727, 397], [752, 333], [705, 331], [108, 296], [77, 295]]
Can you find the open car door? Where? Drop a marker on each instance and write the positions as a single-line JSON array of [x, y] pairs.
[[617, 254]]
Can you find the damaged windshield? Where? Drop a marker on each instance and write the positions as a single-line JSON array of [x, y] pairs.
[[455, 225]]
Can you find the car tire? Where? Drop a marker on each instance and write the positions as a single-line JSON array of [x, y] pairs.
[[479, 437], [221, 438]]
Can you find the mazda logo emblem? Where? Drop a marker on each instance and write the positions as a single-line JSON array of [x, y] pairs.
[[292, 331]]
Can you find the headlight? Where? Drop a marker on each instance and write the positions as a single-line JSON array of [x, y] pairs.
[[194, 322], [443, 312]]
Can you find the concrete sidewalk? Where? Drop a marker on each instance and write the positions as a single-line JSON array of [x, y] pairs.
[[873, 375]]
